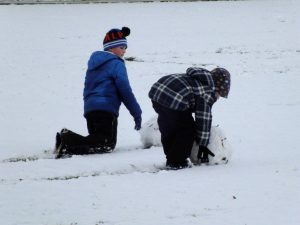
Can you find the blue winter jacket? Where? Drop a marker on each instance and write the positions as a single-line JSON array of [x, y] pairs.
[[107, 85]]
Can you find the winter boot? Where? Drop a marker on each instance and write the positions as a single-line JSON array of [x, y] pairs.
[[57, 142], [101, 149], [61, 150], [177, 165]]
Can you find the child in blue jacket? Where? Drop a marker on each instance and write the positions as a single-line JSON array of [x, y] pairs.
[[106, 87]]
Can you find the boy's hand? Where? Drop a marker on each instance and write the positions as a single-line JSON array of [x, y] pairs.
[[203, 154], [138, 123]]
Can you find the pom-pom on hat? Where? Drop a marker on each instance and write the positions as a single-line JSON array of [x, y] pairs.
[[221, 78], [115, 38]]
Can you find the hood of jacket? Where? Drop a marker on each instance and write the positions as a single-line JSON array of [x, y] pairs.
[[99, 58], [202, 75], [205, 78]]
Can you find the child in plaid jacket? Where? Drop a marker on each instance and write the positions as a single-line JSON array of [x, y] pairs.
[[175, 98]]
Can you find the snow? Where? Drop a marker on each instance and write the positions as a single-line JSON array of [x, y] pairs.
[[44, 51]]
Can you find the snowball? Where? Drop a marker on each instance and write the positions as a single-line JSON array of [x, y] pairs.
[[150, 134]]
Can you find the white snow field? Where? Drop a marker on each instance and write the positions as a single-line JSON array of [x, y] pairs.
[[43, 54]]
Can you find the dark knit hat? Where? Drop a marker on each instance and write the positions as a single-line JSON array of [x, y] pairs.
[[221, 78], [115, 38]]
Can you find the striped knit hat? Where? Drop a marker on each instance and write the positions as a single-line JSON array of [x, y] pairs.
[[115, 38], [221, 79]]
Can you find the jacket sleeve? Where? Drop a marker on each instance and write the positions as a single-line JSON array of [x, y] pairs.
[[203, 119], [125, 91]]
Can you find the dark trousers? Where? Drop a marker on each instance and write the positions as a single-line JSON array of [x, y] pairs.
[[177, 130], [102, 128]]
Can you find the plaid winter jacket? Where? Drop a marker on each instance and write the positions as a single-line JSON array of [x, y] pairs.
[[193, 91]]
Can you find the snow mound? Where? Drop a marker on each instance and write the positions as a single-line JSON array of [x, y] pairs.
[[218, 143], [150, 134]]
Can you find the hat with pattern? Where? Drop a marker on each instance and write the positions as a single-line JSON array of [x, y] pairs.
[[221, 79], [115, 38]]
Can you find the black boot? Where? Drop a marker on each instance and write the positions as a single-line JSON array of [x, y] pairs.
[[57, 141], [61, 150], [177, 165]]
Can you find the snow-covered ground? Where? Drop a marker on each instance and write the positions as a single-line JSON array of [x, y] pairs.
[[43, 54]]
